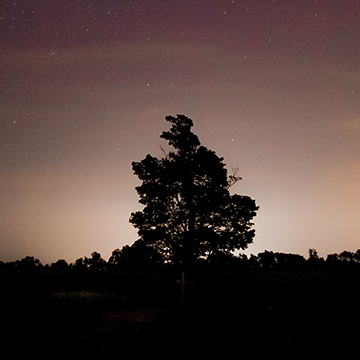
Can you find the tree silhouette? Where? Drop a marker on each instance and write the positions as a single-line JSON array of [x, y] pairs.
[[267, 260], [314, 261], [28, 263], [188, 210], [357, 256], [137, 257], [60, 264], [80, 264], [346, 256], [114, 261], [96, 262], [290, 261]]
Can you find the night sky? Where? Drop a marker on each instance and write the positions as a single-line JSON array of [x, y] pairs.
[[272, 86]]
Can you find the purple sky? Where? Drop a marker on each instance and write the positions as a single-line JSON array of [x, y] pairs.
[[272, 86]]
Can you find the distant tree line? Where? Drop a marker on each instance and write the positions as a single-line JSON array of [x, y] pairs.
[[139, 257]]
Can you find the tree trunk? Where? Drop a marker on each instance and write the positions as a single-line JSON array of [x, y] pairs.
[[182, 287]]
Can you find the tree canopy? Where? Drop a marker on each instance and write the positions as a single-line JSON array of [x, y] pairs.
[[188, 211]]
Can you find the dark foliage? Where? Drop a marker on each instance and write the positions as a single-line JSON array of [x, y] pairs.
[[96, 263], [140, 257], [188, 212], [61, 265], [137, 257]]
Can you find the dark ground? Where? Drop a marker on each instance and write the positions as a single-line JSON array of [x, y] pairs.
[[238, 315]]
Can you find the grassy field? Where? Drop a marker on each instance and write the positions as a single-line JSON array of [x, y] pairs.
[[290, 315]]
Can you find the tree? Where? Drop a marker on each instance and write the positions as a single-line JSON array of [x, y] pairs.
[[114, 261], [188, 211], [267, 260], [28, 263], [137, 257], [80, 264], [96, 262], [290, 261], [60, 264], [347, 256], [357, 256], [314, 261]]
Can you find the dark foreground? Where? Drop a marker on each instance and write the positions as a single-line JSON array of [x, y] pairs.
[[289, 315]]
